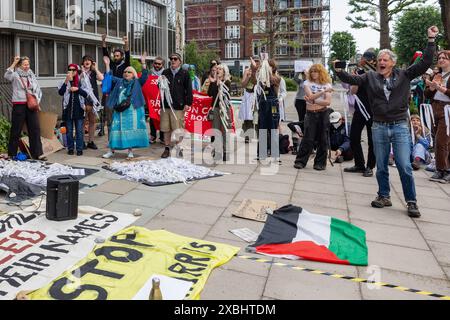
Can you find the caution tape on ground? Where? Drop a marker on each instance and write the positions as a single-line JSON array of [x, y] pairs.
[[340, 276]]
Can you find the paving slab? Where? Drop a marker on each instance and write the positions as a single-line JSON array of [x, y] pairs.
[[224, 284], [441, 251], [148, 199], [147, 212], [177, 188], [391, 216], [191, 212], [357, 188], [272, 187], [235, 177], [217, 186], [365, 200], [117, 186], [304, 198], [358, 179], [319, 187], [435, 216], [313, 177], [289, 284], [395, 235], [240, 169], [403, 259], [280, 199], [408, 280], [223, 226], [96, 199], [435, 232], [84, 161], [277, 178], [180, 227], [93, 180], [206, 198]]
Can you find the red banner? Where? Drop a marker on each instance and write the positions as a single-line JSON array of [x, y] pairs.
[[151, 94]]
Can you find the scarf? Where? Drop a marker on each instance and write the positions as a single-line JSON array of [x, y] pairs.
[[133, 89], [86, 85], [157, 73], [67, 93], [33, 83]]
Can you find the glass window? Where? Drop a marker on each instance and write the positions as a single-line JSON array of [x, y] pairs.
[[101, 16], [112, 18], [259, 25], [77, 53], [232, 32], [27, 49], [123, 18], [46, 54], [297, 24], [232, 50], [44, 12], [259, 5], [60, 13], [62, 58], [75, 16], [282, 4], [101, 64], [24, 10], [232, 14], [90, 50], [89, 15], [297, 3]]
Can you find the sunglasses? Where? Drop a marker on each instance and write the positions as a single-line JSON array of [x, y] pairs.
[[128, 72], [174, 59], [72, 69]]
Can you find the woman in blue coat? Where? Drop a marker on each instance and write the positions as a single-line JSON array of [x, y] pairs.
[[128, 128]]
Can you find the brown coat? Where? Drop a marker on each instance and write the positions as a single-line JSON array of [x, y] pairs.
[[430, 94]]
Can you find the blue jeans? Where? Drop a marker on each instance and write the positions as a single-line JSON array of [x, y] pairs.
[[399, 135], [78, 134]]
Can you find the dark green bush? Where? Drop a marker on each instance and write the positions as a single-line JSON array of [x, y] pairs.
[[291, 85], [5, 127]]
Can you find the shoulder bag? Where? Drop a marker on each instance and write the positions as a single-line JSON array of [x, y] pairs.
[[32, 102]]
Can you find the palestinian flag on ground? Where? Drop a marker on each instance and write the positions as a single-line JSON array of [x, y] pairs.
[[294, 233]]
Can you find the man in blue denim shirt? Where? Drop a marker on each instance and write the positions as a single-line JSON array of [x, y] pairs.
[[388, 90]]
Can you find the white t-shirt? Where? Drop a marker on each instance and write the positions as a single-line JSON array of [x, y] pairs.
[[317, 87], [442, 96]]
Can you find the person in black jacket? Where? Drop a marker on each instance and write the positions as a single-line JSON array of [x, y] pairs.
[[121, 60], [73, 109], [388, 89], [181, 93], [339, 139]]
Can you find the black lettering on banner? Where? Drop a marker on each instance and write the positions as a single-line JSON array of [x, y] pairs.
[[13, 279], [196, 245], [56, 290], [3, 293], [37, 259], [179, 268], [84, 223], [185, 258], [89, 267], [107, 251], [108, 218], [80, 230], [27, 266], [19, 219], [54, 246], [70, 239], [194, 281], [129, 240]]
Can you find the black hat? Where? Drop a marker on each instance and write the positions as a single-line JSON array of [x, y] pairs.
[[369, 55]]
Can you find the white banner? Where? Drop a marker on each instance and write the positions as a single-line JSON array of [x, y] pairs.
[[301, 65], [34, 250]]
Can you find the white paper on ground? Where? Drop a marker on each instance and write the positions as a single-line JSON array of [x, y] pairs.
[[171, 288], [245, 234]]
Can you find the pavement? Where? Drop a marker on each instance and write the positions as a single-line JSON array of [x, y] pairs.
[[402, 251]]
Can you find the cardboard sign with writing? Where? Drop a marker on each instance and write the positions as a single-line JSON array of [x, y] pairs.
[[255, 209], [49, 146], [302, 66], [47, 123]]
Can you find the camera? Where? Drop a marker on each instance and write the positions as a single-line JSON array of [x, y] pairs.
[[340, 65]]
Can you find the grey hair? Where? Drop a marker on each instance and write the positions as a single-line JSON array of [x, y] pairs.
[[391, 54]]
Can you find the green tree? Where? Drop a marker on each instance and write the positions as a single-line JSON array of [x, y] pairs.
[[410, 36], [377, 14], [201, 59], [342, 45]]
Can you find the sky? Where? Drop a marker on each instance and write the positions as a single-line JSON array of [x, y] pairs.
[[365, 38]]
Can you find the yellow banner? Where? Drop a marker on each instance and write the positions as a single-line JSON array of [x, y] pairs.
[[119, 268]]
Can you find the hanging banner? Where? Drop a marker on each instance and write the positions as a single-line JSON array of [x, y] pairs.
[[196, 118], [34, 250], [122, 266], [151, 95]]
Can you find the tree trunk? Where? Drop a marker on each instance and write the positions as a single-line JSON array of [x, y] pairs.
[[385, 40], [445, 12]]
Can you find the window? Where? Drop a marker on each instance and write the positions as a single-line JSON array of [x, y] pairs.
[[316, 25], [60, 13], [77, 53], [24, 10], [232, 14], [62, 58], [46, 58], [90, 50], [122, 18], [282, 48], [297, 24], [282, 24], [259, 5], [316, 49], [44, 12], [259, 25], [232, 50], [89, 15], [100, 63], [101, 16], [297, 3], [282, 4], [75, 16], [232, 32], [27, 49], [112, 18], [316, 3], [257, 47]]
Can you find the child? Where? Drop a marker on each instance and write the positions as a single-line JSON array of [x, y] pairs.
[[421, 143]]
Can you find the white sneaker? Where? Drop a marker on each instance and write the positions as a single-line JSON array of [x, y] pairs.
[[130, 155], [108, 155]]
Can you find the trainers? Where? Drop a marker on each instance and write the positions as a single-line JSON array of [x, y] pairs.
[[318, 167], [381, 202], [108, 155], [180, 153], [91, 145], [438, 176], [85, 146], [299, 166], [166, 153], [354, 169], [368, 173], [413, 210], [447, 177], [70, 152], [79, 152], [130, 155], [339, 159]]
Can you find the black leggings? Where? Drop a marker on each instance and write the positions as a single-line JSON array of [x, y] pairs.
[[358, 124], [300, 106]]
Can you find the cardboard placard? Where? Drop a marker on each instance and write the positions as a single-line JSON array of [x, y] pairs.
[[302, 65], [47, 123], [255, 209], [49, 146]]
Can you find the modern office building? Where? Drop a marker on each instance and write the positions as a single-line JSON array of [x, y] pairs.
[[54, 33], [290, 29]]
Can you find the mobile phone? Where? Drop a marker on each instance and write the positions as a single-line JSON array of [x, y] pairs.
[[340, 65]]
